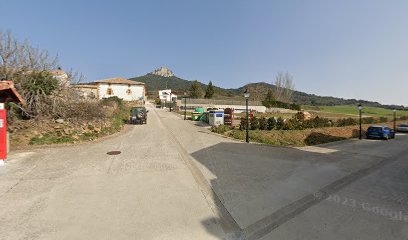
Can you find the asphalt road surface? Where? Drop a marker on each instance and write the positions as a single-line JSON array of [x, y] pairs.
[[173, 179]]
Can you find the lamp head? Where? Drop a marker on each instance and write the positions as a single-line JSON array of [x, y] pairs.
[[246, 93], [360, 107]]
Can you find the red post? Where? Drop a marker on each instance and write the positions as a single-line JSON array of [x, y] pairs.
[[3, 133]]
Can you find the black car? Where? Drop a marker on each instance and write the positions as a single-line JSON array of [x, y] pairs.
[[138, 115]]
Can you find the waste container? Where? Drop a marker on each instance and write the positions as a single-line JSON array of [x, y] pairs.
[[195, 116], [216, 117], [200, 110]]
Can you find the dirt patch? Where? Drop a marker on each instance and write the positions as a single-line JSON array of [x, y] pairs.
[[24, 133]]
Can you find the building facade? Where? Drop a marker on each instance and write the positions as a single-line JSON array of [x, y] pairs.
[[113, 87], [167, 96]]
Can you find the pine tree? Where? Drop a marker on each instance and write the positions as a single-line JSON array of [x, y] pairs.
[[209, 92], [269, 100], [196, 91]]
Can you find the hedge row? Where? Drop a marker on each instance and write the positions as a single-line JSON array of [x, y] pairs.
[[298, 122]]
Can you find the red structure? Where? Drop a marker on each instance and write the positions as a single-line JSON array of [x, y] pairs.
[[8, 93], [3, 132]]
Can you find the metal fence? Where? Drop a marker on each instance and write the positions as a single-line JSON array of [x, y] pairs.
[[220, 102]]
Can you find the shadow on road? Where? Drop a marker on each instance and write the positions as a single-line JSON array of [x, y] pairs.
[[255, 184], [262, 187]]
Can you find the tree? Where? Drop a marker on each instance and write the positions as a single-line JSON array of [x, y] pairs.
[[32, 71], [284, 87], [196, 91], [209, 92], [269, 100], [271, 123]]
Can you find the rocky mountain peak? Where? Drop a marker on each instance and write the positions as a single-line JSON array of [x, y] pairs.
[[163, 72]]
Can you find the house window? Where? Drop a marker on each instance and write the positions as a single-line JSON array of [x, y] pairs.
[[129, 91], [109, 91]]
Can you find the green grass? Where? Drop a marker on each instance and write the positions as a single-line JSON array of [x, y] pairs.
[[49, 139], [352, 110]]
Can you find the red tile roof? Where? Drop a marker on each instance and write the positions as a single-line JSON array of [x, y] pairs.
[[9, 93], [119, 80]]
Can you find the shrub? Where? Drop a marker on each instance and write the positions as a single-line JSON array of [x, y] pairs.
[[295, 107], [292, 124], [300, 116], [369, 120], [403, 118], [383, 119], [279, 123], [271, 123], [263, 123], [38, 88], [254, 123], [115, 100], [242, 125], [221, 129], [346, 122], [317, 122]]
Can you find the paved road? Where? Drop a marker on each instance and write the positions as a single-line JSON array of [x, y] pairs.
[[265, 188], [176, 180], [80, 192]]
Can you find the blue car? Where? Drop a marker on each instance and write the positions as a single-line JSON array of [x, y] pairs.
[[381, 132]]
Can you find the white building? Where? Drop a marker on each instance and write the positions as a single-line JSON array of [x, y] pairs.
[[122, 88], [167, 96]]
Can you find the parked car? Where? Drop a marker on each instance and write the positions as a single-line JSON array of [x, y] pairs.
[[402, 128], [138, 115], [381, 132]]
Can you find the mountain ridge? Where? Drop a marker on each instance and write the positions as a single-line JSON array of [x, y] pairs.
[[258, 90]]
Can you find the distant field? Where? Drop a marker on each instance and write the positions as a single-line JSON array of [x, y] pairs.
[[352, 110]]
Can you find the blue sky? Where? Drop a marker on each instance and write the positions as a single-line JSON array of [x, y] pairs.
[[349, 48]]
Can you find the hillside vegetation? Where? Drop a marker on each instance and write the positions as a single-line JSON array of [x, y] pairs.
[[352, 110], [154, 83], [258, 92]]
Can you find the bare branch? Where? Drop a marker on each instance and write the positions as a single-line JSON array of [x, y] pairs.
[[284, 87]]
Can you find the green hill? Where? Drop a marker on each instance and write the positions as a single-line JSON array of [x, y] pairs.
[[154, 83], [258, 91]]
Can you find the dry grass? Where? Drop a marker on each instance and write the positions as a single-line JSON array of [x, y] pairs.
[[301, 137]]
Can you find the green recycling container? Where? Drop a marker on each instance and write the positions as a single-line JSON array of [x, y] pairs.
[[195, 116], [199, 110]]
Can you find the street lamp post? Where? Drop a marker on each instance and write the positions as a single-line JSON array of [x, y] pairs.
[[395, 120], [246, 95], [360, 108], [185, 105]]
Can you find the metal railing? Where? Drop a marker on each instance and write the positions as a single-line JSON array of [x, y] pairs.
[[220, 102]]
